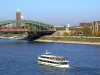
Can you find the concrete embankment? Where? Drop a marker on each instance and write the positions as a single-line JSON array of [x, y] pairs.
[[72, 42], [75, 40], [15, 37]]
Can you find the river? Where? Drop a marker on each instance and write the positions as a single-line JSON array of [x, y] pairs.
[[19, 57]]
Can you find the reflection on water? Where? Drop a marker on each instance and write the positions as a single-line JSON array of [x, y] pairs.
[[45, 67], [74, 70], [53, 70]]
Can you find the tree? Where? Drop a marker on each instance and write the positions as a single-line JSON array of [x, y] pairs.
[[65, 34], [74, 33], [98, 34], [86, 31]]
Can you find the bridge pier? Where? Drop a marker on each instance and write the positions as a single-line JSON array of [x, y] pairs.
[[36, 35]]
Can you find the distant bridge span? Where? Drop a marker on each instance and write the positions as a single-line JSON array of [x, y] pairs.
[[34, 29], [33, 24]]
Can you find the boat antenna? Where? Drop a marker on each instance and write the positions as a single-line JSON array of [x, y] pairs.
[[47, 53]]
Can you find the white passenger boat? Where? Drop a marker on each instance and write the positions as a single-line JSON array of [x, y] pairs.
[[51, 60]]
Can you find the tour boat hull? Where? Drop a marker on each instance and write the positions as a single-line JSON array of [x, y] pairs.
[[51, 60], [54, 65]]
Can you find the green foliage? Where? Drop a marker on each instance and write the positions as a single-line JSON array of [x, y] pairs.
[[7, 35], [65, 34], [98, 34], [74, 34], [18, 26], [86, 31]]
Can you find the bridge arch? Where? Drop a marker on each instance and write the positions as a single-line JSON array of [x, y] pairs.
[[33, 24]]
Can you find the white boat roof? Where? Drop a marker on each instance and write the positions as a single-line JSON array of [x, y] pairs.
[[48, 54], [52, 56]]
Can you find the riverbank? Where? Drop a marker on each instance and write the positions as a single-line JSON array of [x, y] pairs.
[[57, 41], [72, 42], [13, 38]]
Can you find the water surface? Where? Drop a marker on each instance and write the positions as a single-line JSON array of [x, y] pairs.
[[19, 57]]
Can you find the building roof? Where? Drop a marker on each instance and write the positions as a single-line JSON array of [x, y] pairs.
[[98, 21]]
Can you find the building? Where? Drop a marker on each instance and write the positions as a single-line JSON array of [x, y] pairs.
[[95, 27], [85, 25], [18, 16], [60, 28], [67, 28], [79, 28]]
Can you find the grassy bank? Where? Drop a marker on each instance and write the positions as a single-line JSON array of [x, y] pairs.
[[80, 39]]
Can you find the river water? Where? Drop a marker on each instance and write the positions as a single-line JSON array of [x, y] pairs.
[[19, 57]]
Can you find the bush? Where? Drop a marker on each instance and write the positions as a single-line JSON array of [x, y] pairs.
[[65, 34]]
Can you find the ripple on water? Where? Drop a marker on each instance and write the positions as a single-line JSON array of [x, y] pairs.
[[18, 57]]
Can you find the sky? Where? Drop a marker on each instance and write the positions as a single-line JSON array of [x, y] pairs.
[[54, 12]]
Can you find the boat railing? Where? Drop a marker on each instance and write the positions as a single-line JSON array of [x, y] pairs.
[[54, 58]]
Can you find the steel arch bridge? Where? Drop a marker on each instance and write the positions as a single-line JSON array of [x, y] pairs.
[[34, 30], [35, 25]]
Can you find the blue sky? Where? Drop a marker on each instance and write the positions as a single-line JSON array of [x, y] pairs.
[[55, 12]]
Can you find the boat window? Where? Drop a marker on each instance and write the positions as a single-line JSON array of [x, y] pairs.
[[53, 62], [47, 57], [63, 62], [41, 56], [62, 59]]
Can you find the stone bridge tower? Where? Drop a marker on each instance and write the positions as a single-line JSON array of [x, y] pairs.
[[18, 16]]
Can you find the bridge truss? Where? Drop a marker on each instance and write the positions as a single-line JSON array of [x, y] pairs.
[[29, 24]]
